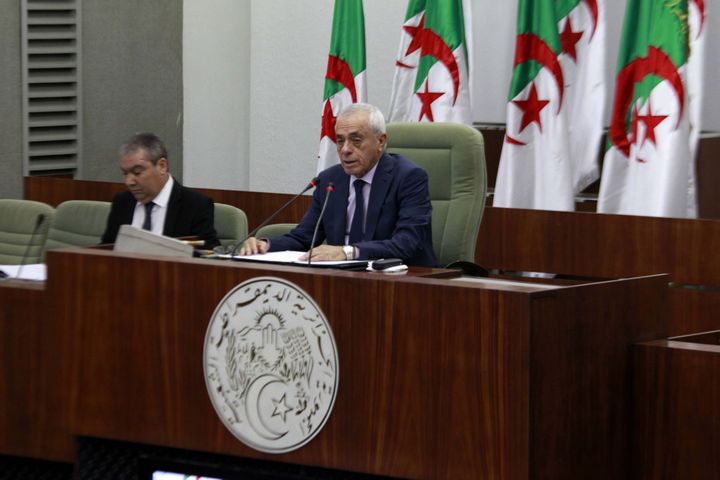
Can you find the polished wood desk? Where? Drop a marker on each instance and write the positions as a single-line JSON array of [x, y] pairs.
[[677, 393], [439, 378]]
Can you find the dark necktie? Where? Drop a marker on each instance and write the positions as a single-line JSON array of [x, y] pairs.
[[356, 228], [147, 224]]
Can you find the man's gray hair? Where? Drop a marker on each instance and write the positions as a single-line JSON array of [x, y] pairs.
[[151, 143], [376, 120]]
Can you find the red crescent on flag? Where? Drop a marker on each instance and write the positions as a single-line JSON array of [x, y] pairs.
[[531, 47], [701, 8], [513, 141], [434, 46], [594, 13], [339, 71], [656, 63]]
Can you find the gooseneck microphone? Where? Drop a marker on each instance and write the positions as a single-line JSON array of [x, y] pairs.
[[330, 188], [313, 183], [38, 221]]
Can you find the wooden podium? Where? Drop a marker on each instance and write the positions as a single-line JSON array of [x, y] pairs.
[[439, 377]]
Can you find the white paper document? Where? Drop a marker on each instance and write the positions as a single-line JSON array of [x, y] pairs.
[[33, 271], [291, 256]]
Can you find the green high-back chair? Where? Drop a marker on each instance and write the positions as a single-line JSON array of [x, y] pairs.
[[275, 230], [231, 224], [18, 220], [453, 155], [78, 223]]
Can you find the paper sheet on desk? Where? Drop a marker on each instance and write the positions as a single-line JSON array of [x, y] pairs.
[[33, 271], [290, 256]]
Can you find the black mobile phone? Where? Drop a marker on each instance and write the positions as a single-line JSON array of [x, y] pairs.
[[386, 263]]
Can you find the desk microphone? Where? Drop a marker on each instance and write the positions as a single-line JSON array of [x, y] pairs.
[[330, 188], [313, 183], [38, 221]]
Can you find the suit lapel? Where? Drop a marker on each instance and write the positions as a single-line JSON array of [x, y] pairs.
[[337, 211], [173, 211], [381, 184]]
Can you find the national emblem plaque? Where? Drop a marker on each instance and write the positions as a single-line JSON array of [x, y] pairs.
[[271, 365]]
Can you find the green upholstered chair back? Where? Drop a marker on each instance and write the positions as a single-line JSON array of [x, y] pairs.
[[275, 230], [78, 223], [17, 222], [231, 224], [453, 155]]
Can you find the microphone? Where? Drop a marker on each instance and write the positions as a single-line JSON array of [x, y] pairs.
[[313, 183], [38, 221], [330, 188]]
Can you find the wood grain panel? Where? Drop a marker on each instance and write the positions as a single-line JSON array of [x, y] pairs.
[[677, 393], [612, 246], [609, 246], [34, 376], [581, 338], [439, 379]]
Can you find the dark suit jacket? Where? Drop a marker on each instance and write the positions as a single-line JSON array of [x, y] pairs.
[[189, 213], [398, 220]]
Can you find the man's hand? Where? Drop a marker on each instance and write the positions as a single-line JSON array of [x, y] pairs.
[[253, 246], [326, 252]]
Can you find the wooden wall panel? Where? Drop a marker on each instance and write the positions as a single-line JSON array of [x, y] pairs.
[[439, 379], [676, 398], [612, 246], [34, 375]]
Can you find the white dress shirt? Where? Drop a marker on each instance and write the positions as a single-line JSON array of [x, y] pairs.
[[159, 210]]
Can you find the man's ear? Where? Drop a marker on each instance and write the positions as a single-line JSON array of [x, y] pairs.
[[162, 164], [382, 141]]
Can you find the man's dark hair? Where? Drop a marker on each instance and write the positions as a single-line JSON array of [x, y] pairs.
[[149, 142]]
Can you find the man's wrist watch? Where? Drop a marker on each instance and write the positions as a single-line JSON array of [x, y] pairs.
[[349, 252]]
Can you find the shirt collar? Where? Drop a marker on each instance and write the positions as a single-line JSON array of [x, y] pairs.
[[368, 177], [163, 198]]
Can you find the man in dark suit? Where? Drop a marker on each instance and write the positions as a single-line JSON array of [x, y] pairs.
[[155, 201], [380, 207]]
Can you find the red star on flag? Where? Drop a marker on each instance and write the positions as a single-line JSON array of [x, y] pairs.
[[427, 98], [531, 109], [327, 128], [414, 34], [651, 121], [568, 40]]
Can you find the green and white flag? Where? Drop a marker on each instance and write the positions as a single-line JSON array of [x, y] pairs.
[[582, 36], [535, 169], [432, 72], [646, 167], [345, 81]]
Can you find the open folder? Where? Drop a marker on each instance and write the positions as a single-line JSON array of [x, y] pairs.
[[290, 257]]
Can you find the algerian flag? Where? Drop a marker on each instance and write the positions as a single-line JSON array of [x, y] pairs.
[[431, 81], [345, 78], [535, 169], [582, 37], [696, 62], [646, 167]]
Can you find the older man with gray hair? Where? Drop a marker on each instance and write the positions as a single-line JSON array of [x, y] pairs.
[[380, 208]]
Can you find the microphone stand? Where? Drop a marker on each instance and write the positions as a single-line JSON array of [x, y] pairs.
[[330, 188], [38, 221], [313, 183]]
